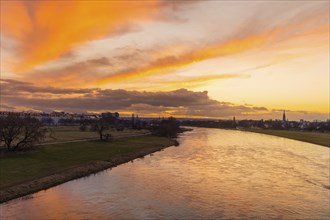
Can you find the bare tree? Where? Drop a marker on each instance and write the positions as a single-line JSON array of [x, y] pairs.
[[100, 126], [20, 132]]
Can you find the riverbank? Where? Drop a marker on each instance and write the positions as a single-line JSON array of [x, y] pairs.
[[305, 136], [318, 138], [51, 165]]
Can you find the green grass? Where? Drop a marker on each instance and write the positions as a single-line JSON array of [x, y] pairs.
[[52, 159], [306, 136], [70, 133]]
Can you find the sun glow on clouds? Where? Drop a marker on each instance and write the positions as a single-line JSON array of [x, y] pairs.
[[234, 53], [53, 28], [167, 65], [263, 41]]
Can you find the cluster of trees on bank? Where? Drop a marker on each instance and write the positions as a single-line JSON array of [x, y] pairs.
[[18, 133], [166, 127]]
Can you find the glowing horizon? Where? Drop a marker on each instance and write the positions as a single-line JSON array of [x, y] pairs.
[[253, 58]]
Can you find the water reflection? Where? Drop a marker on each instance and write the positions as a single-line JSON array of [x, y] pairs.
[[212, 174]]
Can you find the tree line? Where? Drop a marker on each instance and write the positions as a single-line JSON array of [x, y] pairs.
[[17, 132]]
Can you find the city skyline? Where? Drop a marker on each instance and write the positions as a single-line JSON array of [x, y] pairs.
[[213, 59]]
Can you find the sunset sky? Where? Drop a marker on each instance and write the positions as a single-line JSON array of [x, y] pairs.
[[215, 59]]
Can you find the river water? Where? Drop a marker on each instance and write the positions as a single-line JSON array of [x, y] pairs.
[[213, 174]]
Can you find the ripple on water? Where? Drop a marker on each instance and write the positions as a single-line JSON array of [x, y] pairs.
[[213, 174]]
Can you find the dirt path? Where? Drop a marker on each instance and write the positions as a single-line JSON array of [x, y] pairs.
[[90, 139]]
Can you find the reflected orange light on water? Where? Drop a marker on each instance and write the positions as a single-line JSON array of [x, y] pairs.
[[212, 174]]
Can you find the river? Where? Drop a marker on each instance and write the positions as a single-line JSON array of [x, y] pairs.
[[213, 174]]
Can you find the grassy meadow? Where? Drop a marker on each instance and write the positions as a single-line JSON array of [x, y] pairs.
[[71, 133], [306, 136], [55, 158]]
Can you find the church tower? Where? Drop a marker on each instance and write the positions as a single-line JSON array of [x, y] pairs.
[[284, 117], [133, 122]]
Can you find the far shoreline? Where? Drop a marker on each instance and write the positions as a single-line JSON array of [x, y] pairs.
[[318, 138]]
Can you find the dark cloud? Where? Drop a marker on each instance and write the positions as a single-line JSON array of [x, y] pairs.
[[179, 5], [164, 61], [4, 107], [260, 108], [129, 53], [78, 73], [14, 82], [100, 62], [14, 87], [281, 110], [125, 29], [177, 102], [180, 103]]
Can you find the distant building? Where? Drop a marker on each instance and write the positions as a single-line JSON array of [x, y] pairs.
[[106, 114], [284, 117], [110, 115]]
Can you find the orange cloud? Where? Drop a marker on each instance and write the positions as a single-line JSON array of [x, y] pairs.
[[15, 19], [301, 28], [194, 82], [168, 64], [46, 30]]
